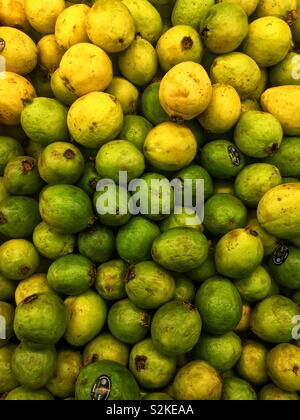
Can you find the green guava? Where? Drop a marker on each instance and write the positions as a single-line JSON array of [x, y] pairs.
[[97, 243], [3, 191], [21, 176], [252, 363], [256, 286], [182, 217], [89, 179], [110, 279], [8, 380], [204, 272], [195, 173], [184, 289], [150, 105], [287, 157], [287, 274], [52, 244], [191, 13], [156, 396], [9, 149], [236, 389], [24, 394], [286, 72], [135, 129], [273, 393], [106, 347], [7, 288]]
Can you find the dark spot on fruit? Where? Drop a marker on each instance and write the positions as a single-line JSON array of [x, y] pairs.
[[94, 358], [30, 299], [92, 275], [296, 370], [205, 33], [177, 119], [113, 98], [2, 44], [93, 184], [190, 306], [146, 321], [121, 40], [140, 363], [253, 233], [273, 149], [279, 199], [2, 219], [69, 154], [91, 221], [130, 275], [292, 15], [24, 270], [187, 43]]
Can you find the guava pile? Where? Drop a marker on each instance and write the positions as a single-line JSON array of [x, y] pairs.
[[98, 303]]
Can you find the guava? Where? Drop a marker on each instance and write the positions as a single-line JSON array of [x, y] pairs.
[[184, 289], [89, 179], [283, 364], [286, 273], [13, 14], [72, 274], [185, 91], [250, 105], [287, 157], [219, 304], [256, 286], [86, 317], [97, 243], [239, 253], [7, 288], [248, 5], [42, 16], [138, 63], [270, 243], [236, 389], [24, 394], [286, 72], [156, 396], [68, 365], [182, 217], [52, 244], [50, 54], [66, 208], [135, 129], [18, 259], [33, 367], [126, 93], [106, 379], [106, 347], [18, 216], [244, 324], [198, 380], [151, 369], [148, 285], [222, 159], [135, 239], [273, 393], [191, 13], [195, 173], [223, 213], [70, 26], [252, 363], [272, 319], [284, 10], [127, 322], [176, 328], [7, 312], [150, 105], [61, 90], [8, 380], [258, 134], [31, 286], [204, 271], [110, 279], [21, 176], [9, 149], [40, 319]]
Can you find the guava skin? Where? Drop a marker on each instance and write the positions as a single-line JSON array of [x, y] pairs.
[[238, 389], [24, 394], [273, 393], [8, 380], [52, 244], [256, 286], [106, 347], [89, 179], [288, 273], [9, 149], [252, 363], [196, 172], [21, 176]]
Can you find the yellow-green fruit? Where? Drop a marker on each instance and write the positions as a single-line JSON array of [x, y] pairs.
[[42, 15], [273, 393], [296, 24], [170, 146], [18, 51], [185, 91], [283, 365], [269, 242], [287, 72], [223, 110], [126, 93], [238, 70], [12, 13], [244, 324], [14, 91], [49, 53], [61, 89], [187, 12], [284, 9], [70, 27], [147, 20], [110, 25], [262, 84], [250, 105], [268, 41], [252, 364], [279, 211], [178, 44], [248, 5], [31, 286], [95, 119], [284, 103], [139, 62], [86, 68]]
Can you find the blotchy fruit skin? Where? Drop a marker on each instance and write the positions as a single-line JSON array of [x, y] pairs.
[[184, 289], [191, 13], [86, 317], [24, 394], [170, 146], [66, 208], [219, 304], [256, 286], [237, 70], [123, 384], [9, 149], [7, 378], [236, 389], [15, 90], [49, 54], [248, 5], [106, 347], [198, 380], [224, 21], [41, 319], [21, 176], [68, 365], [33, 367], [176, 328], [180, 249], [31, 286], [283, 364], [238, 253], [127, 322], [19, 52], [148, 285], [288, 273], [252, 363], [42, 16], [110, 26], [272, 393], [283, 103], [51, 244], [150, 368], [272, 319], [268, 41], [110, 279], [95, 119], [283, 9], [223, 110], [180, 43], [66, 33], [279, 211], [18, 259], [61, 90], [185, 91], [287, 158], [97, 243], [12, 13]]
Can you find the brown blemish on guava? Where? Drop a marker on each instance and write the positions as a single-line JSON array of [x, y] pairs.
[[93, 184], [113, 98], [140, 363], [146, 321], [2, 219], [296, 370], [69, 154], [2, 44], [177, 119], [92, 275], [190, 306], [187, 43], [121, 40], [30, 299], [205, 32], [130, 275], [24, 270], [292, 15], [273, 149]]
